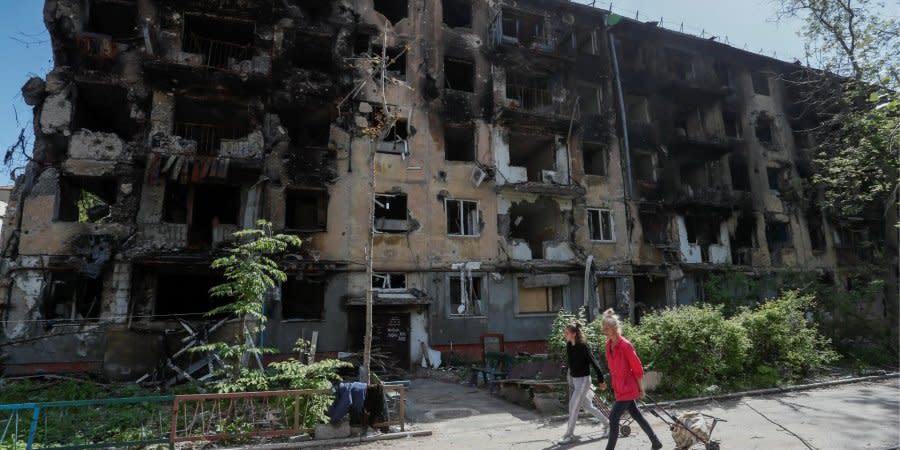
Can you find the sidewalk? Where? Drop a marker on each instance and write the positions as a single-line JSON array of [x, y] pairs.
[[853, 416]]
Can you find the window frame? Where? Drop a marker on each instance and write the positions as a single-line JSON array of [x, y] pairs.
[[476, 229], [756, 77], [562, 306], [451, 312], [612, 223]]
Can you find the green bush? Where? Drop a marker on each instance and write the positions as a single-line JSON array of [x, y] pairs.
[[556, 343], [781, 337]]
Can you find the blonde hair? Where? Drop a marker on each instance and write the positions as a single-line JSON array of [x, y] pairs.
[[610, 319], [578, 330]]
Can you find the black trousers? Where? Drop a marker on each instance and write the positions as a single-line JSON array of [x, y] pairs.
[[615, 414]]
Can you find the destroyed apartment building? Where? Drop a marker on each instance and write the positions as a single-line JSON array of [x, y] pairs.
[[529, 156]]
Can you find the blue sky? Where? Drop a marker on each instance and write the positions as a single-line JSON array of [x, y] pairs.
[[26, 50]]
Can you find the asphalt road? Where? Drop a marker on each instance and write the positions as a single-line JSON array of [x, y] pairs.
[[852, 416]]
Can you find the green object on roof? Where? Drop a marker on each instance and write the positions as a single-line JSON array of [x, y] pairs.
[[612, 19]]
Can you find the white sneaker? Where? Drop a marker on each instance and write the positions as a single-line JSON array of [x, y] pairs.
[[566, 439]]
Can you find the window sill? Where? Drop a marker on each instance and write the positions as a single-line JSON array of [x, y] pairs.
[[463, 316], [593, 241], [466, 236]]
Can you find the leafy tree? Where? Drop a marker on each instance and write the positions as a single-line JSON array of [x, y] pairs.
[[250, 272]]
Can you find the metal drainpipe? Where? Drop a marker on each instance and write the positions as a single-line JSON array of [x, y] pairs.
[[615, 60]]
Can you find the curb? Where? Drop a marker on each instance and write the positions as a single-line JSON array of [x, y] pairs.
[[755, 393], [334, 442]]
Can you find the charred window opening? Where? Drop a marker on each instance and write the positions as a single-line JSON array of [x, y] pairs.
[[316, 9], [103, 108], [537, 154], [392, 10], [528, 91], [457, 13], [459, 143], [395, 141], [313, 52], [702, 230], [185, 294], [302, 300], [536, 223], [389, 281], [588, 43], [210, 123], [649, 295], [309, 126], [637, 109], [541, 300], [395, 61], [773, 174], [306, 210], [778, 235], [116, 18], [596, 158], [459, 75], [732, 124], [220, 42], [362, 43], [740, 174], [466, 296], [816, 231], [696, 175], [723, 73], [760, 83], [645, 167], [175, 203], [86, 199], [72, 296], [654, 227], [745, 233], [522, 28], [600, 225], [764, 130], [606, 291], [391, 214], [631, 54], [212, 205], [589, 100], [678, 63], [462, 218]]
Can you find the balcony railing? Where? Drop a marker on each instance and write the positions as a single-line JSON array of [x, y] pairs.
[[208, 136], [218, 54]]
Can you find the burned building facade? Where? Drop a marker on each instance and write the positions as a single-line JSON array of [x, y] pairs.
[[524, 157]]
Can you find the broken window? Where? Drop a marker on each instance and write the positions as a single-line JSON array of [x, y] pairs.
[[389, 281], [596, 158], [744, 237], [312, 51], [72, 296], [537, 223], [395, 64], [816, 231], [114, 18], [723, 73], [678, 63], [102, 107], [645, 167], [600, 225], [702, 230], [362, 43], [637, 109], [391, 215], [212, 205], [175, 203], [630, 53], [537, 154], [302, 300], [462, 218], [541, 300], [589, 100], [774, 177], [606, 291], [732, 124], [466, 297], [459, 75], [530, 92], [457, 13], [740, 174], [522, 28], [86, 199], [306, 209], [309, 126], [210, 122], [220, 42], [185, 294], [778, 235], [760, 83], [588, 44], [459, 143], [696, 175], [393, 10], [764, 129], [395, 141], [650, 293], [654, 228]]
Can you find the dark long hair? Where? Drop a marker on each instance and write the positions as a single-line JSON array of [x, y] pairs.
[[575, 327]]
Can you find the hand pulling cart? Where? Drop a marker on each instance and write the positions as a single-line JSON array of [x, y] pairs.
[[689, 428]]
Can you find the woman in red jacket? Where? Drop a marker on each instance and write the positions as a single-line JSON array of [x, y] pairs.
[[627, 380]]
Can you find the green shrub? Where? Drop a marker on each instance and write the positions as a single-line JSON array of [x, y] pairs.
[[556, 343], [781, 337]]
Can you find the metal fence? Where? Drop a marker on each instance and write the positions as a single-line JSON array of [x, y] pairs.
[[165, 420]]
